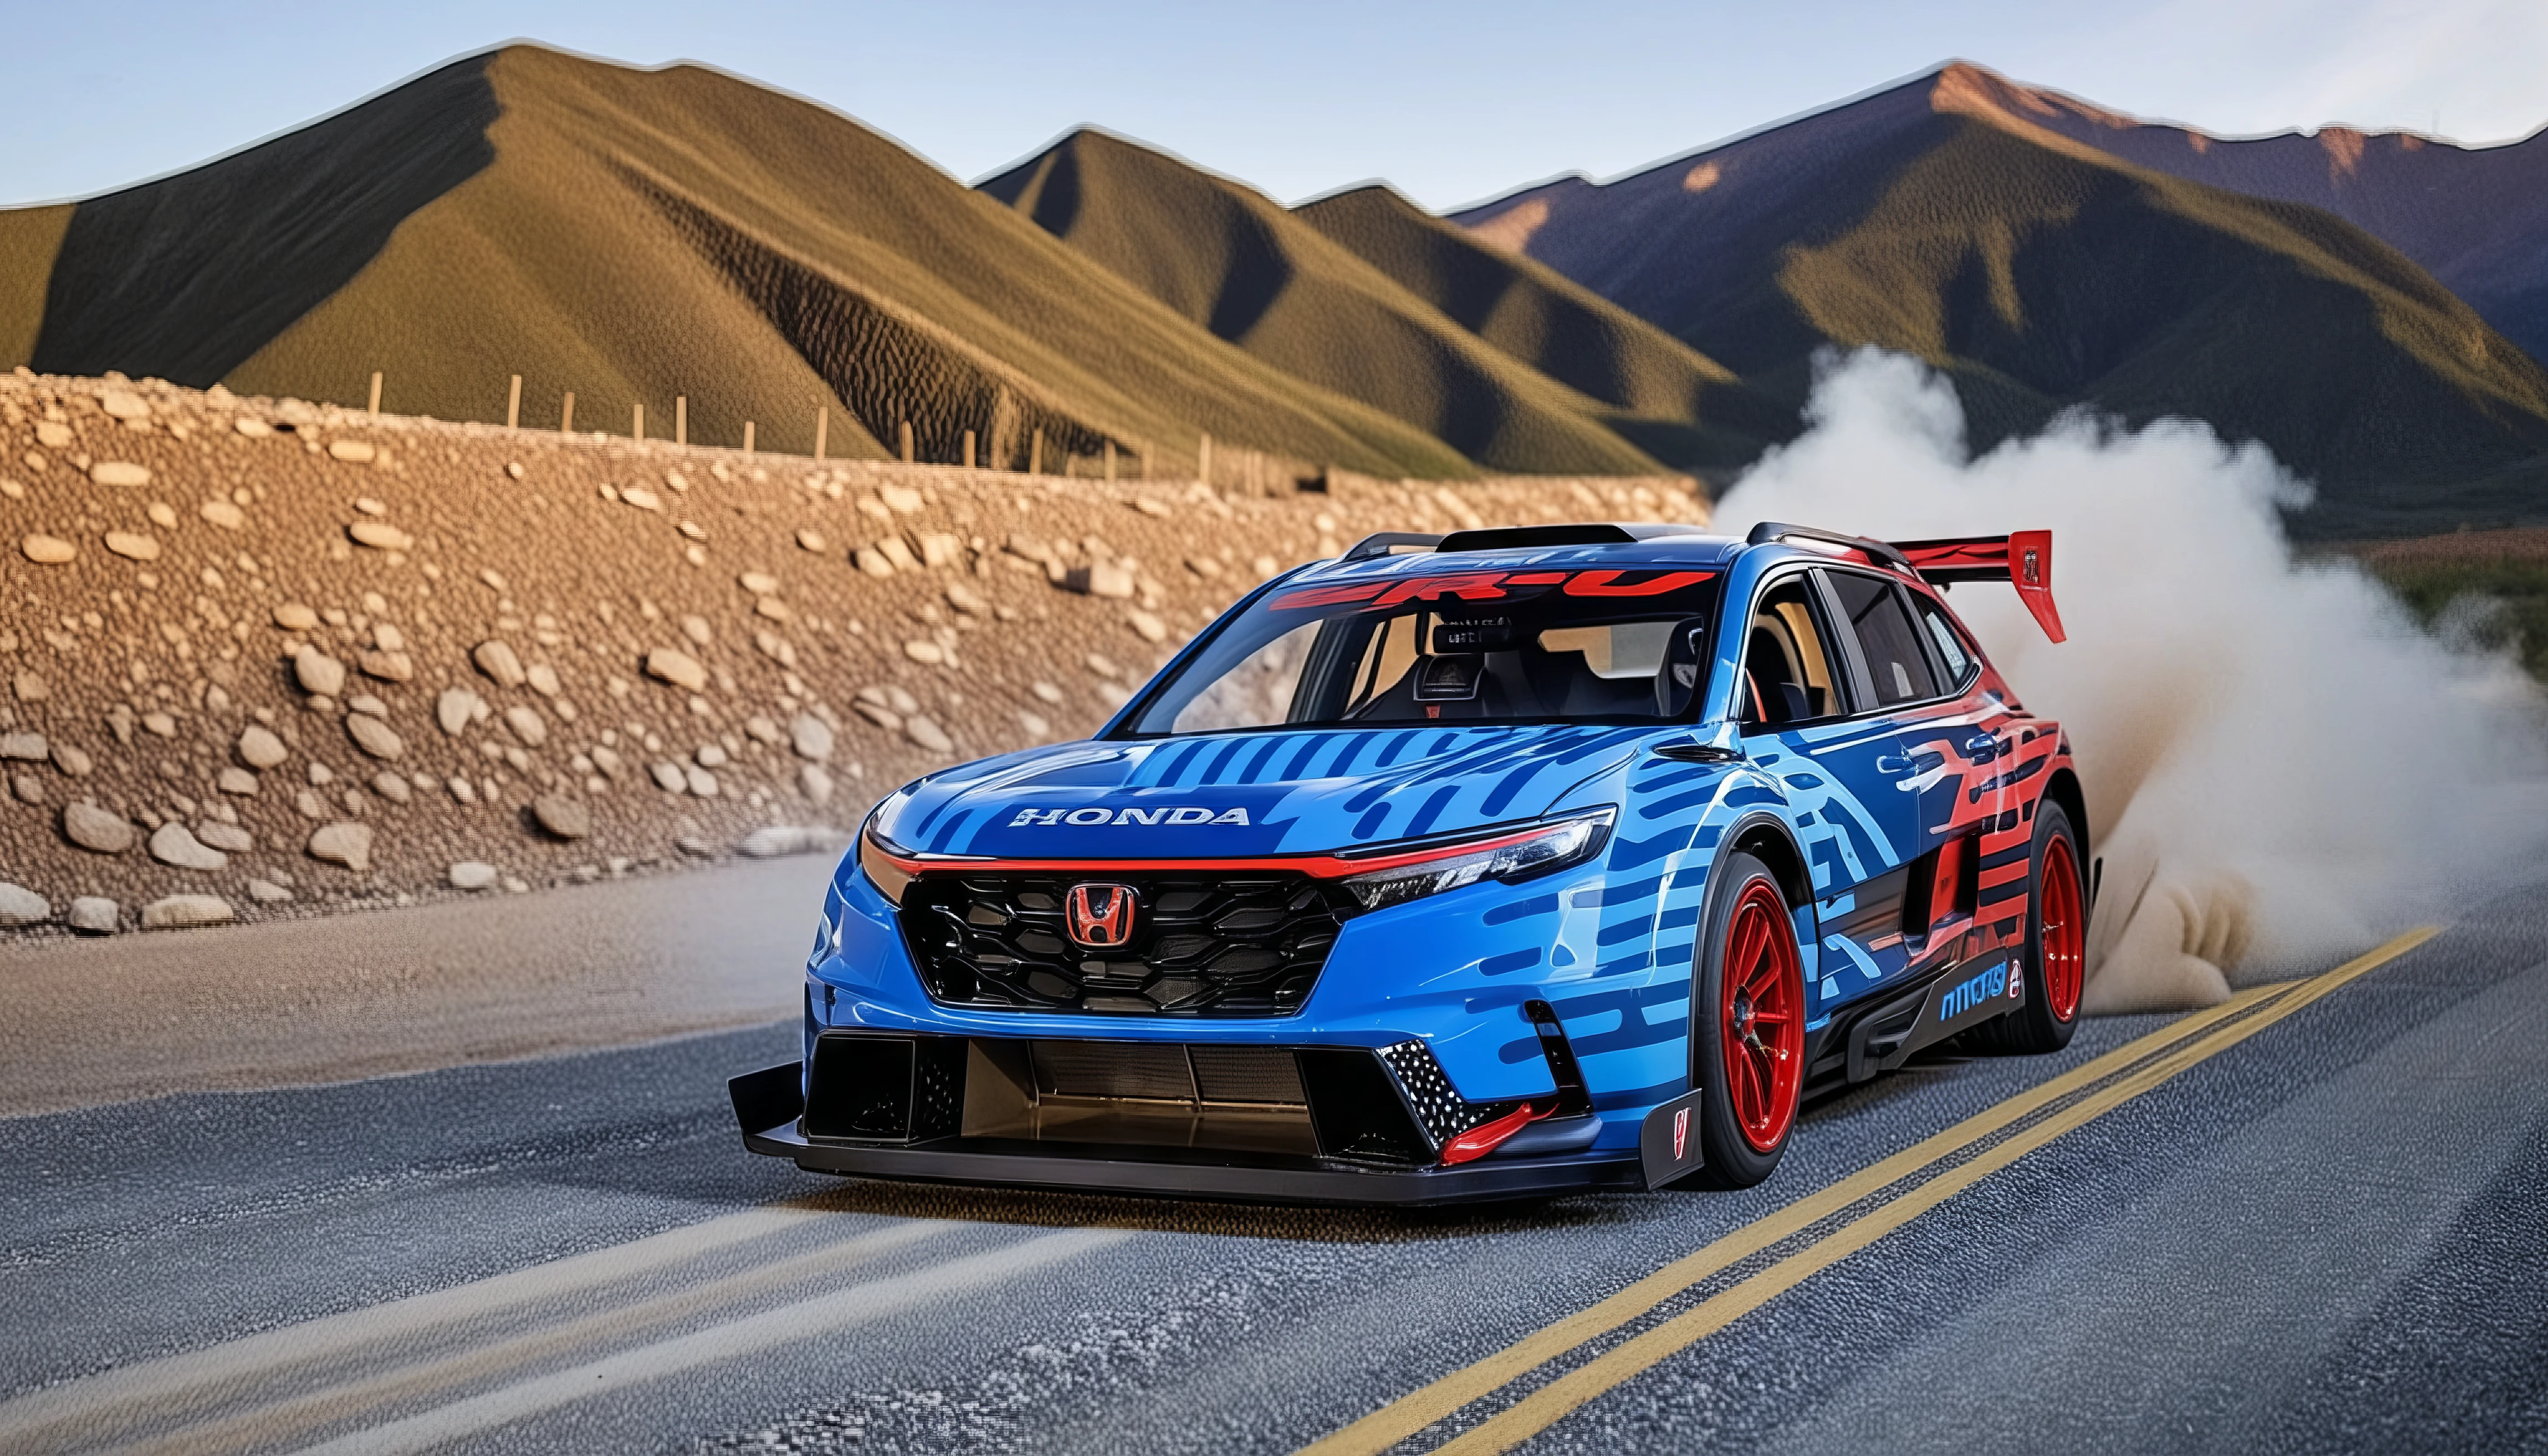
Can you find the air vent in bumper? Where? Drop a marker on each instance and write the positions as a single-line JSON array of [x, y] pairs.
[[1391, 1108]]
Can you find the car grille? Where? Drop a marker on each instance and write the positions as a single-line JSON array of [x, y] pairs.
[[1241, 945]]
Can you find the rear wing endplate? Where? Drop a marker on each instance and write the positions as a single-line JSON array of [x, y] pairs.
[[2023, 559]]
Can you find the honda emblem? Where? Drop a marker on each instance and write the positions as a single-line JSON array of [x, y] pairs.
[[1101, 915], [1681, 1134]]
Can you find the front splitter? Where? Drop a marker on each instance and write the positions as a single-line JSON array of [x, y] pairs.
[[765, 1099]]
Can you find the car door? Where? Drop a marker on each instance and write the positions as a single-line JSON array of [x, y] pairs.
[[1923, 773], [1800, 717]]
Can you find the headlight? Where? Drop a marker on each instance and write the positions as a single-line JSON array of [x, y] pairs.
[[1515, 854], [877, 853]]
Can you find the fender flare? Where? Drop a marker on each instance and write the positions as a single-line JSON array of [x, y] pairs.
[[1795, 874], [1796, 880]]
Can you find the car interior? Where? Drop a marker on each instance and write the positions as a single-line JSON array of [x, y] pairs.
[[1787, 670], [1494, 668]]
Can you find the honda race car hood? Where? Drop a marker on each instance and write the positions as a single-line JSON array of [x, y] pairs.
[[1273, 792]]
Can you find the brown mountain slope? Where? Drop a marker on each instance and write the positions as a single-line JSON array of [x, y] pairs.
[[2041, 274], [1232, 261], [1676, 404], [636, 236], [2474, 217]]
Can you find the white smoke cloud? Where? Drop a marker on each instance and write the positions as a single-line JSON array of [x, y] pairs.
[[2280, 765]]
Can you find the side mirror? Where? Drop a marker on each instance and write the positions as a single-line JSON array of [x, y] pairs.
[[1722, 744]]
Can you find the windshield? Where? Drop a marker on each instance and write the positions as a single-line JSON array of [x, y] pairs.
[[1531, 646]]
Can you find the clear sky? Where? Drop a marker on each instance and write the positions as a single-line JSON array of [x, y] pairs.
[[1452, 100]]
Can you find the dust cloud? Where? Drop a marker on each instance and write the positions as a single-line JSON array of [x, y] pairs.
[[2280, 765]]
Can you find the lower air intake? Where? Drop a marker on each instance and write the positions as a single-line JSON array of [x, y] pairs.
[[1392, 1107]]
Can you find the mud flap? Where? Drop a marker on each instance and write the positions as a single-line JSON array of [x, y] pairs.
[[1668, 1141]]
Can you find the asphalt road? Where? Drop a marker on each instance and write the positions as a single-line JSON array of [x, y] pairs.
[[2310, 1222], [373, 993]]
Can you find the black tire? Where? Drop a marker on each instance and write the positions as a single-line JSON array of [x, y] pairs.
[[2036, 1027], [1728, 1158]]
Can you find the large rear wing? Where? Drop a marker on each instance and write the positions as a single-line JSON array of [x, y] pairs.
[[2023, 559]]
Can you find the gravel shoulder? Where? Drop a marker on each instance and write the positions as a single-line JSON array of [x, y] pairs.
[[262, 659]]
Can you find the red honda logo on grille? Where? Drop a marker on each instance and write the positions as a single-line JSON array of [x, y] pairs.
[[1101, 915]]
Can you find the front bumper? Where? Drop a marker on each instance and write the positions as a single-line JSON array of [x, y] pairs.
[[769, 1108]]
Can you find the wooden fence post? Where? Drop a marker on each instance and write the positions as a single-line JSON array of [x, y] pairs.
[[637, 421], [906, 442], [747, 440], [376, 394], [1110, 460], [681, 421], [1034, 453], [565, 415], [1202, 461], [514, 405], [968, 449], [822, 429]]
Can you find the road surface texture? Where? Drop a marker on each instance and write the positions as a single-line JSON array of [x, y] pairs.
[[375, 992], [2307, 1221]]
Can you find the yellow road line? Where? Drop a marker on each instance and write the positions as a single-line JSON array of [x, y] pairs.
[[1545, 1405], [1411, 1413], [1395, 1422]]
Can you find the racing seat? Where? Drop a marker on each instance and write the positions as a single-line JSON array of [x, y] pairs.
[[1778, 695], [1568, 684], [1496, 697]]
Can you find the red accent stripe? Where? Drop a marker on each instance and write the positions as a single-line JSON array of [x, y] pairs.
[[1384, 595], [1321, 866], [1601, 584]]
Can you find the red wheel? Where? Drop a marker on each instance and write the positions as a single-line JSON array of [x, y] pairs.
[[2064, 930], [1746, 1024], [1764, 1025]]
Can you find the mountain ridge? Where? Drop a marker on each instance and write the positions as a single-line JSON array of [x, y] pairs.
[[633, 236], [2041, 273], [636, 236], [1301, 289]]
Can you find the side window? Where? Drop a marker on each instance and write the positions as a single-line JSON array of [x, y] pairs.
[[1951, 645], [1787, 673], [1886, 636]]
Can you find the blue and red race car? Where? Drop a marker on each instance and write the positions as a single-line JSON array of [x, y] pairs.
[[1494, 865]]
